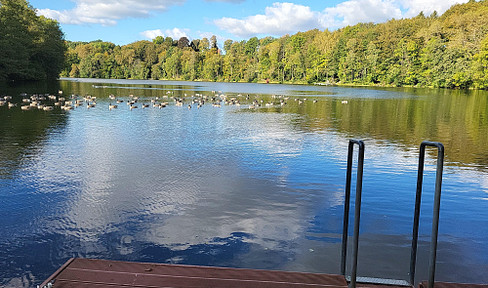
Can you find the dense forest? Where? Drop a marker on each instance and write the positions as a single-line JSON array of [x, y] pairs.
[[449, 51], [32, 47]]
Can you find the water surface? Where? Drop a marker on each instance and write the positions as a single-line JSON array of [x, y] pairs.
[[237, 186]]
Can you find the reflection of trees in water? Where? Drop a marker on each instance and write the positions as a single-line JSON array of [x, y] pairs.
[[458, 119]]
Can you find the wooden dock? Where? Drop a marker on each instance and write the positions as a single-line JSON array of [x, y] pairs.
[[92, 273]]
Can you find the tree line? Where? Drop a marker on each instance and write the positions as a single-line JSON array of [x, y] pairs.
[[31, 47], [449, 51]]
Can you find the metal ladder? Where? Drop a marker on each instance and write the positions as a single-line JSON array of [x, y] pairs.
[[353, 279]]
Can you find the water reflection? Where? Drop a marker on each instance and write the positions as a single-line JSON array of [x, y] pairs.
[[241, 187]]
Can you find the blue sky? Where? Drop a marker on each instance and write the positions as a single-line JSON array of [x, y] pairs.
[[126, 21]]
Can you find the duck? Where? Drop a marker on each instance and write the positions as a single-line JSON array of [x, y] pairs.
[[112, 106], [48, 108]]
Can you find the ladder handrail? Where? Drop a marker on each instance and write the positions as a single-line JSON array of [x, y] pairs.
[[357, 212], [435, 219]]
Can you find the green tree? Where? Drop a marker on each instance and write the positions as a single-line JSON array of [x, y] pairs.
[[480, 66], [32, 46]]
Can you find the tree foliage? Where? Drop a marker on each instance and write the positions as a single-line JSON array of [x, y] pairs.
[[32, 46], [430, 51]]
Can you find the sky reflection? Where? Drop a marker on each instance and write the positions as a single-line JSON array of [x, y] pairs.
[[227, 186]]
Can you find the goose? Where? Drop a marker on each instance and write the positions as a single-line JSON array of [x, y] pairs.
[[132, 107]]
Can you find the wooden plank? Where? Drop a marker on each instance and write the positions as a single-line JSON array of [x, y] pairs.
[[103, 273], [207, 272]]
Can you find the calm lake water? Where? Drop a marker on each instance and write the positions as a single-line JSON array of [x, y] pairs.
[[237, 186]]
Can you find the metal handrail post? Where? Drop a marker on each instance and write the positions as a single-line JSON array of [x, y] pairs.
[[435, 220], [347, 198], [357, 212]]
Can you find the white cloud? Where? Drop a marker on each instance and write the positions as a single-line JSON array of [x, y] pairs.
[[414, 7], [151, 34], [356, 11], [109, 11], [175, 33], [282, 18]]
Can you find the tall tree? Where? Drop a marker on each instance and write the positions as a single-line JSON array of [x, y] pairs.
[[32, 46]]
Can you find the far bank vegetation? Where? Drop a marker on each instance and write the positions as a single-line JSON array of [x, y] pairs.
[[449, 51]]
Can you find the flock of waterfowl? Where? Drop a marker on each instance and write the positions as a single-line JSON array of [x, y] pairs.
[[48, 102]]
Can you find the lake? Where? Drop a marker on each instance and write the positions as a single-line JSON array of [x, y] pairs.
[[255, 185]]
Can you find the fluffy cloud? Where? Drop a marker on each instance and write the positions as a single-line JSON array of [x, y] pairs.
[[282, 18], [356, 11], [175, 33], [109, 11], [414, 7]]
